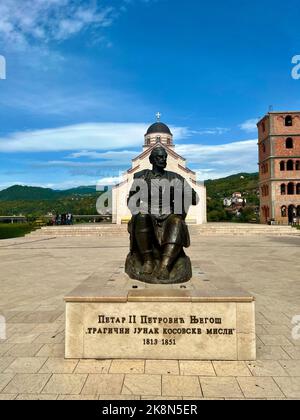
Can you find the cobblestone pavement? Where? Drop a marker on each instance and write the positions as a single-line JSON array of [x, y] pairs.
[[36, 274]]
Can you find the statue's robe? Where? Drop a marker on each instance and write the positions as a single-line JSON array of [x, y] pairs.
[[168, 221]]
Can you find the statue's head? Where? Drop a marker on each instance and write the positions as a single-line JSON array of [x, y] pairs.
[[159, 157]]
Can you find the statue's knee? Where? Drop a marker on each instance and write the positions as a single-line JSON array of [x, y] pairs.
[[143, 221], [142, 217]]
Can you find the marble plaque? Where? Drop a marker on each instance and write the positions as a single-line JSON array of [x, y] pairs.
[[120, 318]]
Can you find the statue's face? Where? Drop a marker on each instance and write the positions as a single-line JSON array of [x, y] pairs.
[[159, 158]]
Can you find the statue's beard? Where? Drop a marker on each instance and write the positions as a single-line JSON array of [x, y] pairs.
[[162, 165]]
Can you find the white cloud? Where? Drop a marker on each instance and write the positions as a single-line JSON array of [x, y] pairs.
[[209, 162], [217, 161], [250, 125], [24, 21], [102, 149], [211, 131], [93, 136], [109, 155]]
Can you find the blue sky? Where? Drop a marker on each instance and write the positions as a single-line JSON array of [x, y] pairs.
[[84, 79]]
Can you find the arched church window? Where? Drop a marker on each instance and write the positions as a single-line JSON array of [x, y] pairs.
[[288, 121], [289, 144], [158, 138], [298, 165], [283, 211], [282, 165], [290, 165], [290, 188], [298, 189], [282, 189]]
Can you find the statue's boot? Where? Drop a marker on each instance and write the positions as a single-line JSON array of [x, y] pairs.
[[170, 254], [144, 239], [148, 266]]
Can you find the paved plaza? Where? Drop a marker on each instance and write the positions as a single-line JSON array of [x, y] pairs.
[[36, 273]]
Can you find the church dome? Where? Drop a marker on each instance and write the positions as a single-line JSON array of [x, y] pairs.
[[158, 127]]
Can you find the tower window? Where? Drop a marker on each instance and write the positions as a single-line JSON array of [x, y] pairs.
[[298, 165], [282, 165], [282, 189], [288, 121], [289, 144], [290, 165], [158, 139], [290, 188], [263, 146], [263, 126]]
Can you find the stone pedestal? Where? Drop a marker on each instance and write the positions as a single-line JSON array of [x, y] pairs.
[[125, 319]]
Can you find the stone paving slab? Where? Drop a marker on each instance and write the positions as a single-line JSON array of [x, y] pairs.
[[220, 387], [142, 385], [181, 386], [32, 364]]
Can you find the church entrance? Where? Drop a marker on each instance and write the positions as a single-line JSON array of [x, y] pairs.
[[292, 213]]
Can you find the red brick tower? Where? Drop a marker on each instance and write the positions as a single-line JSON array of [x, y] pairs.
[[279, 167]]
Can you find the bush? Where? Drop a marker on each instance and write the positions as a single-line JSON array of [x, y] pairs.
[[15, 230], [217, 216], [248, 215]]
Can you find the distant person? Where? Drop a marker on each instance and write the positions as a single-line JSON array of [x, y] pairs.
[[69, 219]]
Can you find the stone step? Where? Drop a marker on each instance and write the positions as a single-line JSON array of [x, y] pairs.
[[209, 229]]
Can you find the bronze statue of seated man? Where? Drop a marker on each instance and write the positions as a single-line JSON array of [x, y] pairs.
[[159, 201]]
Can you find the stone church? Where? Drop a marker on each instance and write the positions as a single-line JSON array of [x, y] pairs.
[[158, 134]]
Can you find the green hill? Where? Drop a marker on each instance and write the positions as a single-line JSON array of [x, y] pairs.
[[37, 202], [245, 183], [24, 193], [218, 189], [20, 192]]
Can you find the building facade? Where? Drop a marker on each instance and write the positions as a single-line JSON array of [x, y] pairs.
[[158, 134], [279, 167]]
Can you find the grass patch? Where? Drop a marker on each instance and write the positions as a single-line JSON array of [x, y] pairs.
[[15, 230]]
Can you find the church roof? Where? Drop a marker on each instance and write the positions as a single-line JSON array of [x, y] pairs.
[[158, 127]]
